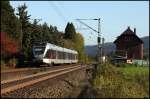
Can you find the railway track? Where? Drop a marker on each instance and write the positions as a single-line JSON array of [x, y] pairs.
[[17, 73], [12, 85]]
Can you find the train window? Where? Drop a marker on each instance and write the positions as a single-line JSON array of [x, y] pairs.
[[51, 54], [76, 56], [60, 55], [65, 56], [48, 54], [38, 50], [69, 56], [73, 56]]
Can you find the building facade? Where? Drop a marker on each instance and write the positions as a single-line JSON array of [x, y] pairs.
[[130, 43]]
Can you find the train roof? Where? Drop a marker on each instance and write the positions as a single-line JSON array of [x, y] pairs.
[[58, 48]]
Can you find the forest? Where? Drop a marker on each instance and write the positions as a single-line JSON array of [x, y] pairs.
[[18, 34]]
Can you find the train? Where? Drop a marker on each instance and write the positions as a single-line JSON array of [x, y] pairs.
[[50, 54]]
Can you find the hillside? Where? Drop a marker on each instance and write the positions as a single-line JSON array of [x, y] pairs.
[[91, 50], [145, 39]]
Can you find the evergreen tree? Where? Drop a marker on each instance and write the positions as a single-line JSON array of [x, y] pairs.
[[25, 36], [45, 32], [9, 22], [24, 19], [70, 31], [36, 31]]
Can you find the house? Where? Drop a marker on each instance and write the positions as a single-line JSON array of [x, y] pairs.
[[129, 43]]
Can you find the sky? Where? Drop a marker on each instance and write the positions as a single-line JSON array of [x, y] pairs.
[[115, 16]]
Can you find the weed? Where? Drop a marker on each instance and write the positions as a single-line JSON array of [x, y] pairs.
[[121, 82]]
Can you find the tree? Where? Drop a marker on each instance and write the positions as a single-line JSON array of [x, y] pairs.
[[9, 46], [45, 32], [9, 22], [24, 19], [79, 46], [25, 37], [36, 31], [70, 31]]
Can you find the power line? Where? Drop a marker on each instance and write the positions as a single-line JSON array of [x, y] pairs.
[[86, 24], [98, 38], [58, 11]]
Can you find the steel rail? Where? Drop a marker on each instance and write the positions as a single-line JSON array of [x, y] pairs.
[[23, 69], [34, 75], [51, 74]]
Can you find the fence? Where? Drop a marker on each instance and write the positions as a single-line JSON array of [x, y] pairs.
[[141, 62]]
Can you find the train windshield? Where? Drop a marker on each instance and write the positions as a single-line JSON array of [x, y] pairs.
[[38, 50]]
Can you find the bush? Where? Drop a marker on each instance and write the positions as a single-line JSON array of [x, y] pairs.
[[12, 62], [110, 82], [143, 80], [3, 63]]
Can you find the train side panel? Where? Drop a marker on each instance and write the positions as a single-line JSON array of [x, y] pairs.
[[54, 54]]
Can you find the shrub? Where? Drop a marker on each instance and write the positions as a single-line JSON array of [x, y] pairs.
[[3, 63], [12, 62], [110, 82]]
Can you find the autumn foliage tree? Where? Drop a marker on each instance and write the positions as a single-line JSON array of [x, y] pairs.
[[9, 46]]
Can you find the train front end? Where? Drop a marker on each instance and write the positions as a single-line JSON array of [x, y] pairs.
[[38, 51]]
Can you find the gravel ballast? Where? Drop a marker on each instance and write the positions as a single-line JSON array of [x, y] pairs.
[[60, 87]]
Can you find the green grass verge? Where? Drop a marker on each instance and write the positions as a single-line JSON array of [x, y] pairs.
[[132, 70], [121, 82]]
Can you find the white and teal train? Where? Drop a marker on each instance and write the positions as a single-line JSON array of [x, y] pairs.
[[48, 53]]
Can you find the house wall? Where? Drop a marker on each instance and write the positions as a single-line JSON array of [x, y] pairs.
[[138, 52], [131, 44]]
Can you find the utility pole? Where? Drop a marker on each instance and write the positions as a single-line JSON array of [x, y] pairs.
[[98, 38], [99, 42]]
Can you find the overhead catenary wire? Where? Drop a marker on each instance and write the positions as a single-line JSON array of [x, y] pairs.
[[58, 11]]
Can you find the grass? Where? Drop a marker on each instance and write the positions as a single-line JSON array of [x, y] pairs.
[[134, 70], [7, 66], [121, 82], [139, 75], [3, 67]]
